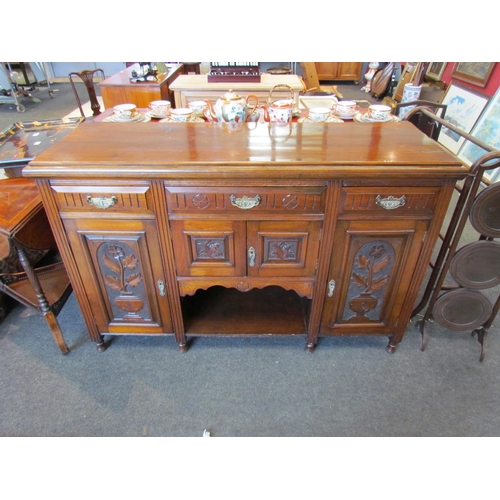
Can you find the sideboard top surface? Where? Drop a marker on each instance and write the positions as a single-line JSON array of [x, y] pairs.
[[247, 150]]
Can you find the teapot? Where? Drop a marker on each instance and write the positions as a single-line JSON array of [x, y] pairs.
[[281, 110], [231, 108]]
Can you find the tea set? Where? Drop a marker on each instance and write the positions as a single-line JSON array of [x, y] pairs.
[[233, 109], [127, 113]]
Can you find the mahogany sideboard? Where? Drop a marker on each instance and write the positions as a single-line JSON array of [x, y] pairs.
[[207, 229]]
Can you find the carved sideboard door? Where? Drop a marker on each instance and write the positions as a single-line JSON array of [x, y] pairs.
[[122, 267], [379, 236]]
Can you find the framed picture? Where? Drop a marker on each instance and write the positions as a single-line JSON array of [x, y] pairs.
[[487, 129], [464, 108], [435, 70], [477, 73]]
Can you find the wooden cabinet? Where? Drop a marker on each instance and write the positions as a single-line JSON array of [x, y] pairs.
[[202, 229], [119, 89], [339, 70]]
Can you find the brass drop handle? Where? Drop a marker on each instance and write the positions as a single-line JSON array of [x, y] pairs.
[[390, 203], [251, 256], [102, 201], [245, 202], [331, 288]]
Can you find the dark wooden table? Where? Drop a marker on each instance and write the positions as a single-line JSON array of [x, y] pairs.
[[25, 239]]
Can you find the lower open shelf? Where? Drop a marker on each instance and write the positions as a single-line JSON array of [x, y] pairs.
[[227, 311]]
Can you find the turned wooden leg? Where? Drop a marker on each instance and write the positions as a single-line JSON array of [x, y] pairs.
[[56, 331], [391, 346], [45, 308], [310, 347], [102, 345]]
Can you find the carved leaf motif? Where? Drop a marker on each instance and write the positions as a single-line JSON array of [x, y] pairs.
[[111, 264], [358, 279], [379, 283], [281, 251], [130, 261], [362, 261], [113, 283], [378, 266], [134, 279]]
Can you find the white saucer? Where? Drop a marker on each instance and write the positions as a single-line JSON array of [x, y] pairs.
[[345, 117], [330, 119], [137, 118], [194, 119], [152, 115], [364, 118]]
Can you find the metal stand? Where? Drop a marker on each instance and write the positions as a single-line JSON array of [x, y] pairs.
[[16, 93], [433, 296]]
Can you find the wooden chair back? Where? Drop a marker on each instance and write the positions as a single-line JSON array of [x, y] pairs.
[[427, 125], [87, 76]]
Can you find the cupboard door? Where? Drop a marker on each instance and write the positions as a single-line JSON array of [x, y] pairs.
[[209, 247], [371, 270], [283, 248], [122, 273], [349, 71]]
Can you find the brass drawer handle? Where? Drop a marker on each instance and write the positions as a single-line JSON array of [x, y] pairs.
[[245, 202], [390, 203], [102, 201]]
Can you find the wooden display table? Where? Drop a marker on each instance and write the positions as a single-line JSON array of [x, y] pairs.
[[25, 238], [209, 229], [187, 88], [118, 89]]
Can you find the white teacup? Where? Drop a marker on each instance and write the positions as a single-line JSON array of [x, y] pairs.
[[181, 114], [160, 108], [125, 111], [319, 114], [198, 107], [345, 108], [379, 111]]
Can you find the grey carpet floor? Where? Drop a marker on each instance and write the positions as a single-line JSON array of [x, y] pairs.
[[142, 386]]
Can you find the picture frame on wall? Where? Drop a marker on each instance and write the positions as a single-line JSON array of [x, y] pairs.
[[464, 109], [486, 129], [435, 70], [476, 73]]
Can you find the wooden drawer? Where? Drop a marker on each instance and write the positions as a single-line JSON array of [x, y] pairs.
[[121, 197], [397, 200], [185, 200]]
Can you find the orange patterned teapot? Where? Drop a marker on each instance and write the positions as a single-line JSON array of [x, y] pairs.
[[231, 108]]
